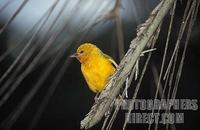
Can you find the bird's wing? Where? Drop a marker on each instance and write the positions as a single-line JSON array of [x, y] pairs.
[[111, 60]]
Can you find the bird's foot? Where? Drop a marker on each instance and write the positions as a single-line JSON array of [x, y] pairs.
[[96, 98]]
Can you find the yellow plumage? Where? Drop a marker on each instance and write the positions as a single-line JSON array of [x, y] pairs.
[[96, 66]]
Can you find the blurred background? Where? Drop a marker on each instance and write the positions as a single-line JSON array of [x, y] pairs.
[[42, 88]]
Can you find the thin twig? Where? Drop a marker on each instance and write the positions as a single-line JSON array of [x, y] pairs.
[[5, 5], [17, 82], [181, 31], [164, 58], [14, 115], [194, 9], [13, 16], [119, 29], [140, 80]]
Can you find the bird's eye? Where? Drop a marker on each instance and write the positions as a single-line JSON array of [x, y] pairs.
[[81, 52]]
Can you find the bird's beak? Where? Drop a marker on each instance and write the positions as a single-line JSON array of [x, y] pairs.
[[73, 55]]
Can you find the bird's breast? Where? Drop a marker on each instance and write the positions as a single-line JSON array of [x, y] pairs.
[[96, 73]]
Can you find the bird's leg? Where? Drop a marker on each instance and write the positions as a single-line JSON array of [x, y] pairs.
[[96, 97]]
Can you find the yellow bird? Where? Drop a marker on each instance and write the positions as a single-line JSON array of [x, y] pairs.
[[96, 66]]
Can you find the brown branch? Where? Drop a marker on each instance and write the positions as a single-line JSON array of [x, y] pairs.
[[127, 63]]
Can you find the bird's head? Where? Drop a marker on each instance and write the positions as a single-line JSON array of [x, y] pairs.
[[85, 51]]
